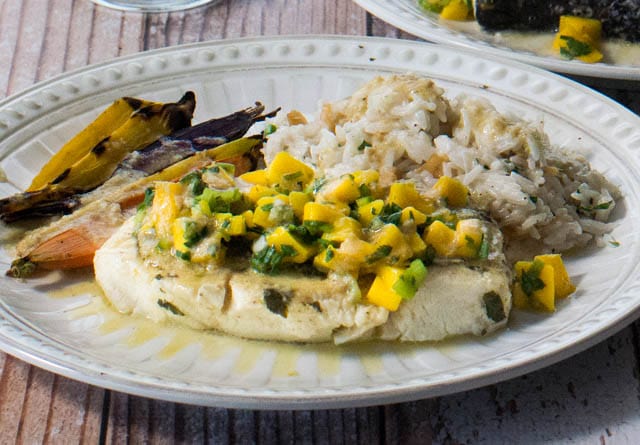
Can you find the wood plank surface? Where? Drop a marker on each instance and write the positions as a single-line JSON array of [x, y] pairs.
[[592, 398]]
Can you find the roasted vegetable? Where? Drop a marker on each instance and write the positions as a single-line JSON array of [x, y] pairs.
[[186, 142], [619, 18], [71, 241], [57, 200], [100, 129], [143, 127]]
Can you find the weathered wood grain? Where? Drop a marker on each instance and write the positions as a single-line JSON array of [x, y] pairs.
[[591, 398]]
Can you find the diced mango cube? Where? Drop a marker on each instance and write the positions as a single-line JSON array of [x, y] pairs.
[[563, 285], [366, 177], [534, 286], [440, 236], [412, 214], [294, 251], [233, 225], [390, 235], [260, 191], [343, 228], [468, 238], [262, 214], [456, 10], [248, 218], [287, 173], [166, 205], [579, 37], [404, 194], [418, 246], [369, 211], [348, 258], [315, 211], [326, 259], [357, 249], [343, 189], [382, 294], [297, 200], [454, 192], [258, 177]]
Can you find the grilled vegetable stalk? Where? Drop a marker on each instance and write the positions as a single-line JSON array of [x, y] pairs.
[[143, 127], [153, 158], [183, 143], [100, 129], [620, 18], [71, 241]]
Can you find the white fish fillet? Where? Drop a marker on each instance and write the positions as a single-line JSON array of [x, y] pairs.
[[251, 305]]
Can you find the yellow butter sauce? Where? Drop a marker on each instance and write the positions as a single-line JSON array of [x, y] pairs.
[[137, 331]]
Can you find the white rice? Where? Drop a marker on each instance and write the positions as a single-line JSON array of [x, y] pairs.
[[533, 190]]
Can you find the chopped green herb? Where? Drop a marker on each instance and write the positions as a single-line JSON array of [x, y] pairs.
[[193, 233], [363, 201], [288, 251], [364, 190], [329, 255], [317, 228], [148, 199], [269, 129], [267, 207], [483, 252], [434, 5], [325, 244], [493, 306], [219, 201], [267, 260], [429, 255], [185, 256], [530, 279], [223, 166], [277, 301], [410, 280], [575, 48], [292, 176], [601, 206], [164, 304], [363, 145], [471, 243], [317, 184], [301, 233], [379, 254], [194, 183], [390, 214]]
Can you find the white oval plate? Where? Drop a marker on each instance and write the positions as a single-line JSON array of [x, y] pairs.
[[410, 17], [58, 323]]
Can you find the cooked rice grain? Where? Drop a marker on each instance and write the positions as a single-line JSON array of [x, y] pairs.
[[400, 123]]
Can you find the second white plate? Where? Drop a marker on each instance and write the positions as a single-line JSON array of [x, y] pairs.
[[410, 17]]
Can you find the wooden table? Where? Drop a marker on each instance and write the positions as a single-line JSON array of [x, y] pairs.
[[591, 398]]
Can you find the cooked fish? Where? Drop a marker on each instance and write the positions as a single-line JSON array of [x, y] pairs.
[[456, 298], [242, 303]]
